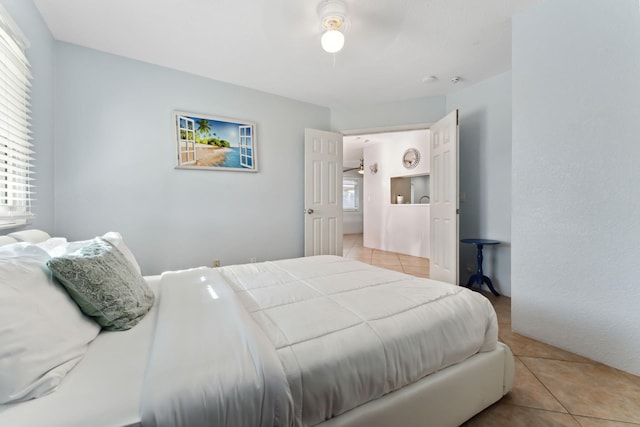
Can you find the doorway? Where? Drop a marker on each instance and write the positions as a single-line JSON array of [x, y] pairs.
[[385, 224], [396, 225]]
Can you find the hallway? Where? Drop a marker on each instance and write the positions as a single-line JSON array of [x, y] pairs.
[[353, 249]]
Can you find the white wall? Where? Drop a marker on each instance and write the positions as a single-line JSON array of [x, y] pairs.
[[396, 228], [115, 158], [485, 176], [576, 199], [40, 55]]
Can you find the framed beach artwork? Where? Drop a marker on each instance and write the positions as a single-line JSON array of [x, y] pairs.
[[215, 143]]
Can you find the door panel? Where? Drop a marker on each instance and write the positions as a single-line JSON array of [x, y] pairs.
[[444, 199], [323, 193]]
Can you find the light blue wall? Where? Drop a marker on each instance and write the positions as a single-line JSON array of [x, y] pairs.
[[485, 176], [115, 158], [40, 55], [576, 198], [407, 112]]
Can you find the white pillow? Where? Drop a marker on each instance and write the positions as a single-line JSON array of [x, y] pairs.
[[55, 246], [43, 334], [31, 236], [6, 240], [116, 240]]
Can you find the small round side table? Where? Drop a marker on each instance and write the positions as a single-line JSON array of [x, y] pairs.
[[479, 275]]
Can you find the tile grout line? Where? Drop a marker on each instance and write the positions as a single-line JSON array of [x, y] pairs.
[[545, 386]]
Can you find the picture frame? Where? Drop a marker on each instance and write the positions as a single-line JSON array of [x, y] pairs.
[[205, 142]]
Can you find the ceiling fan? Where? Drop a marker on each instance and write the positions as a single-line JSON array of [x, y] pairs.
[[359, 168]]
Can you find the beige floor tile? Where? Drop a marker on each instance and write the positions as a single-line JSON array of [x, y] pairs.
[[412, 261], [385, 258], [504, 313], [416, 271], [502, 327], [589, 389], [525, 346], [528, 391], [597, 422], [505, 415], [378, 251]]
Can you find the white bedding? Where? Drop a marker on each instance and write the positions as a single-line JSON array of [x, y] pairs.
[[310, 310], [210, 365], [347, 332], [103, 390]]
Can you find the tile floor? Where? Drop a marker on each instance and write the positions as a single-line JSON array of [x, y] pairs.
[[552, 387]]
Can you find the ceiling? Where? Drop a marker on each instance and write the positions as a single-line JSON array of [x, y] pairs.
[[274, 46]]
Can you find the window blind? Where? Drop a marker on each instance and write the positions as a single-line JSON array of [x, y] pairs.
[[16, 153]]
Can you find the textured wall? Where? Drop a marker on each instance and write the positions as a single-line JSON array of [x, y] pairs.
[[485, 176], [576, 199]]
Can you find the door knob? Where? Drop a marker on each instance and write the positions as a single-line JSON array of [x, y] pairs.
[[309, 211]]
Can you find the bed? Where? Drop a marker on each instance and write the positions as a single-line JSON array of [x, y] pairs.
[[310, 341]]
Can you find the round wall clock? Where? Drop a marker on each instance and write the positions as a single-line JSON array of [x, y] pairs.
[[411, 158]]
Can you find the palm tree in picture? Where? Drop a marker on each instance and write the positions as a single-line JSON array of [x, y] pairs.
[[203, 127]]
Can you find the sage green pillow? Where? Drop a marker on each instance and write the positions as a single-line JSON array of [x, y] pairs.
[[104, 284]]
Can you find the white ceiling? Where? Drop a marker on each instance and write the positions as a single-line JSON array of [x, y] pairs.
[[274, 45]]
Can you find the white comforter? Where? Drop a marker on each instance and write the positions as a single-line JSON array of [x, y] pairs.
[[344, 333], [210, 365]]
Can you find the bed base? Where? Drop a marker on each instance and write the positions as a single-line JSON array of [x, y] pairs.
[[446, 398]]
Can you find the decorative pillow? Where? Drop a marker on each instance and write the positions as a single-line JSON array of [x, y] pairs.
[[30, 236], [43, 334], [104, 284], [116, 240]]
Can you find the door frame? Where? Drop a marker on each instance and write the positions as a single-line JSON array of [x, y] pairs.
[[383, 129], [395, 128]]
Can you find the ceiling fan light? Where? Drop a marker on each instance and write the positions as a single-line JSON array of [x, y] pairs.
[[332, 41]]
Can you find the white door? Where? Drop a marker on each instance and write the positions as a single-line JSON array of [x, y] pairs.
[[322, 193], [444, 199]]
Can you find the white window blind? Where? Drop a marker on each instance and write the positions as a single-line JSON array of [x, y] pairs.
[[16, 154]]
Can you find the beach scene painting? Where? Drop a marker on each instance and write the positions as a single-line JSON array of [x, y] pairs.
[[215, 143]]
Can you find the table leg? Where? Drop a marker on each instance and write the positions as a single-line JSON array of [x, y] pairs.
[[473, 279], [490, 285], [480, 277]]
